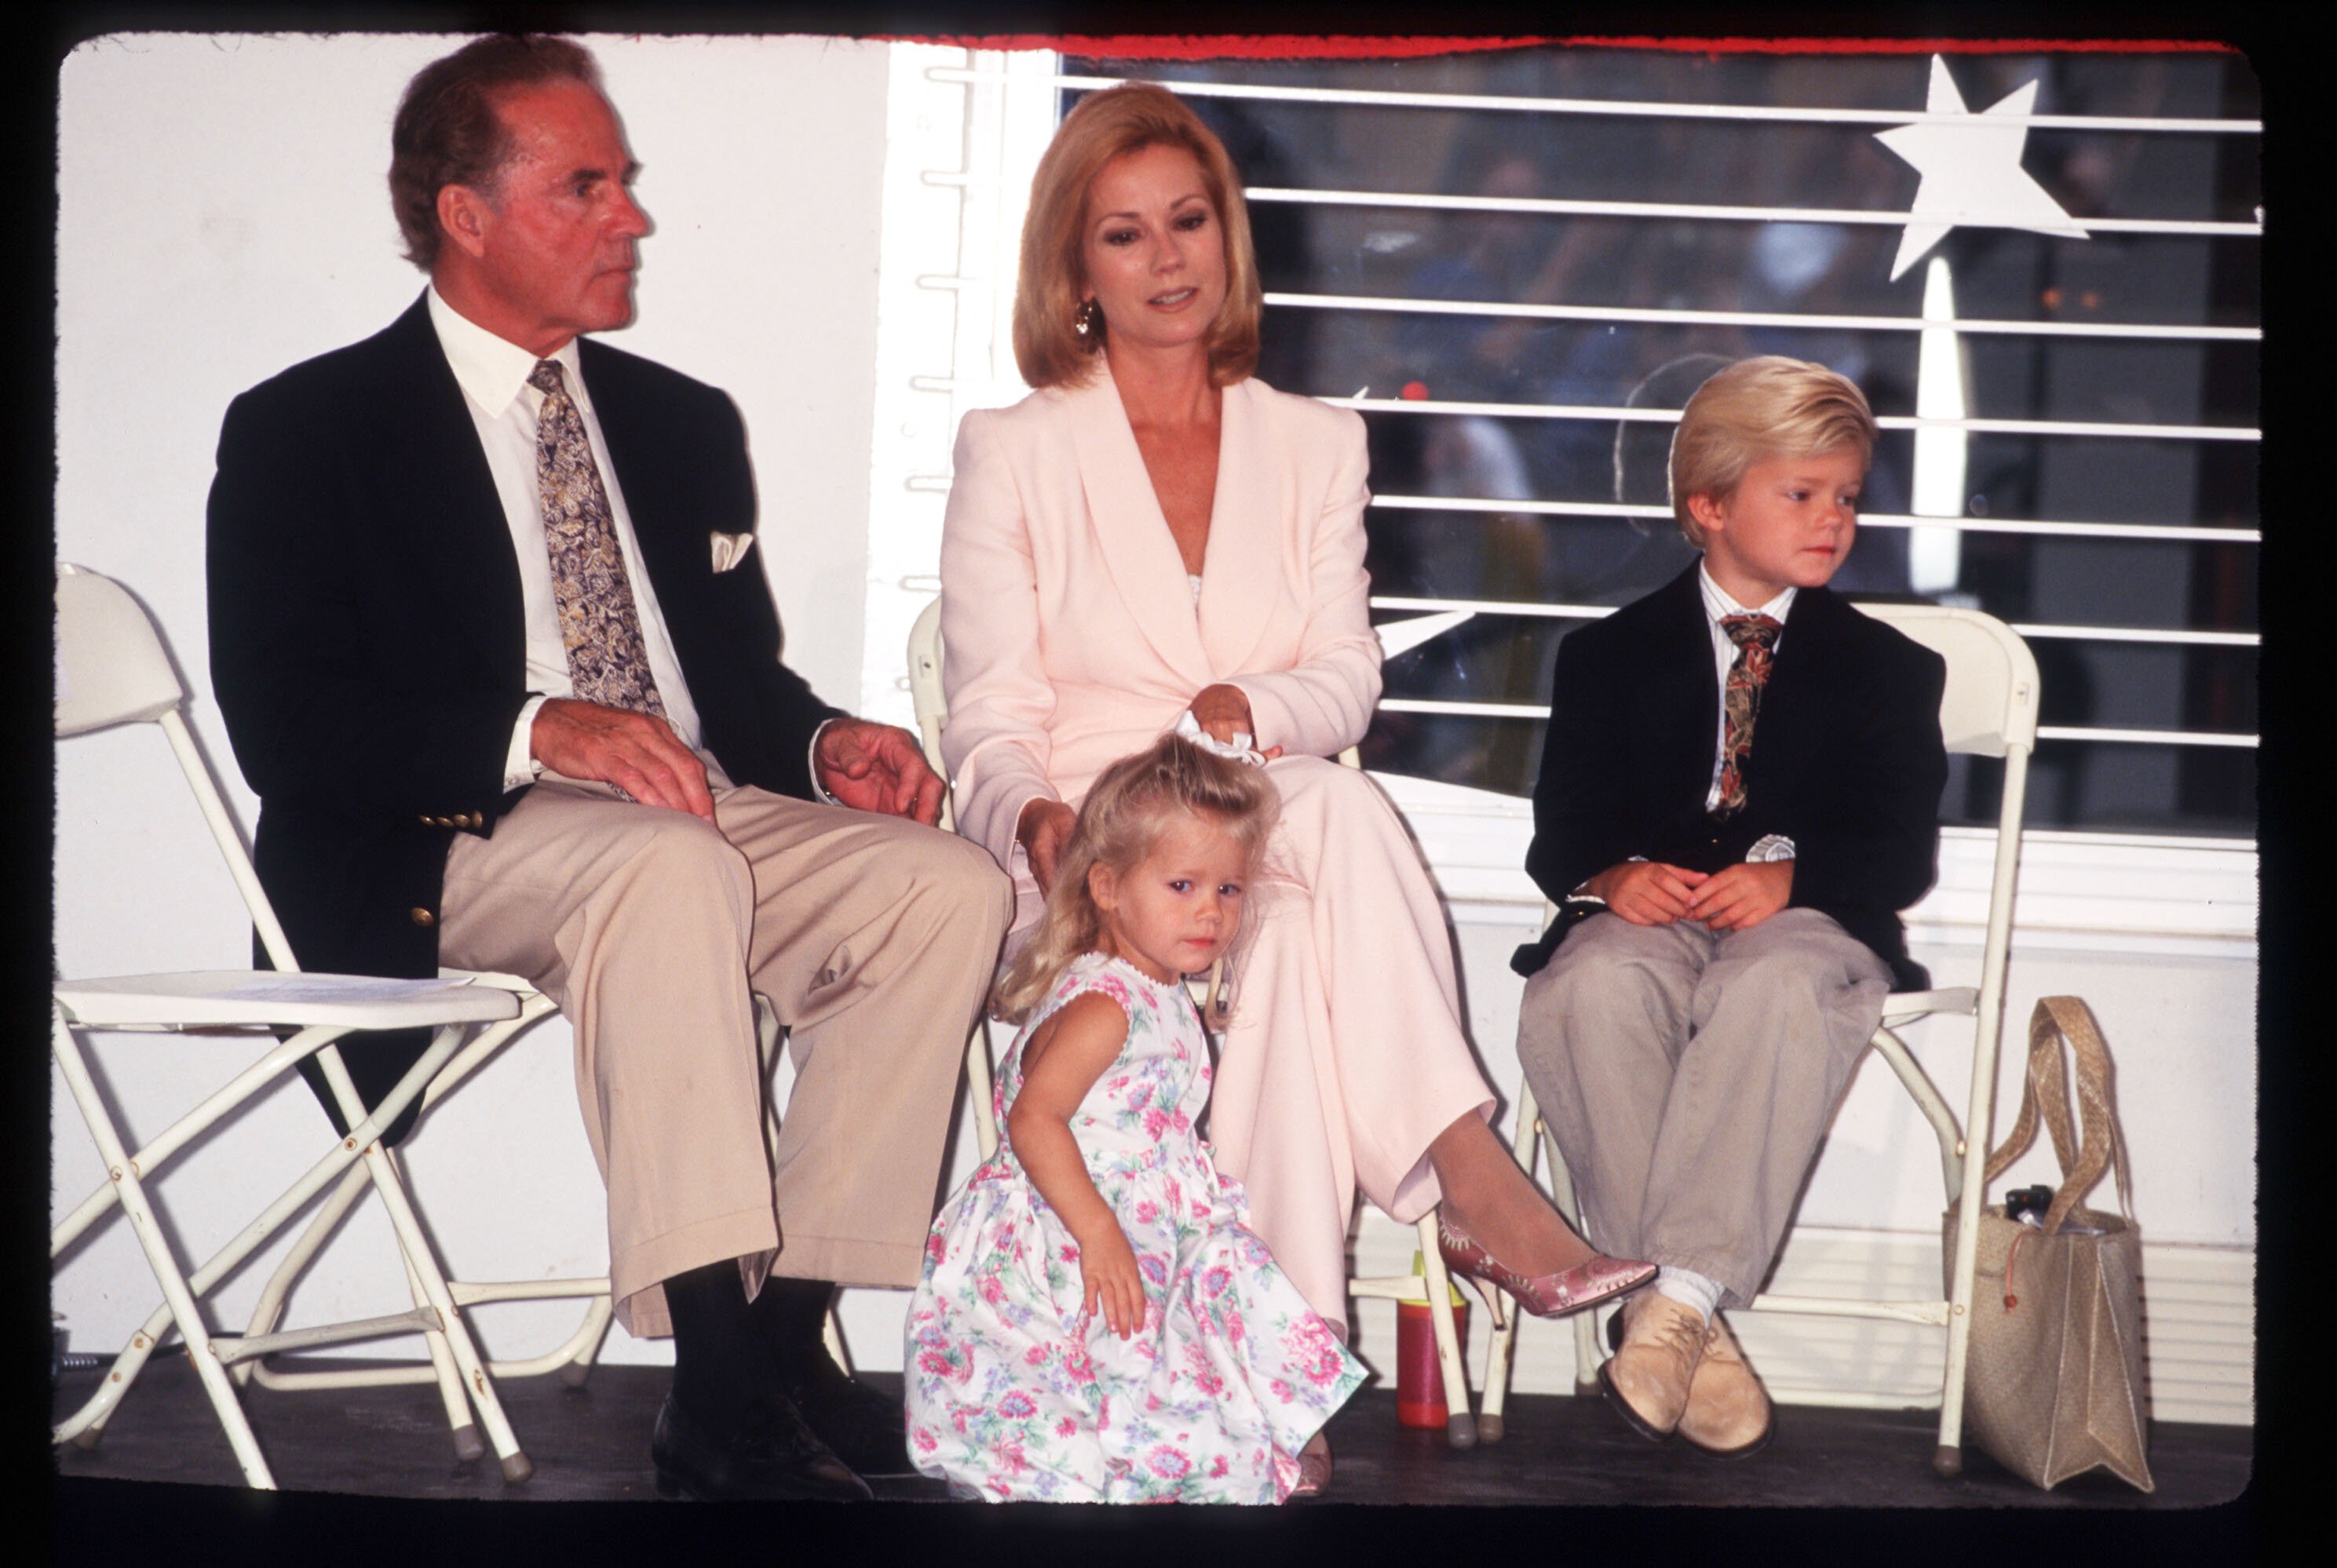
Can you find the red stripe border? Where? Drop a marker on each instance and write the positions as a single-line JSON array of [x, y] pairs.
[[1291, 45], [1218, 46]]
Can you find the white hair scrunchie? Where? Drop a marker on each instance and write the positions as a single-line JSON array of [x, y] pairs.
[[1189, 728]]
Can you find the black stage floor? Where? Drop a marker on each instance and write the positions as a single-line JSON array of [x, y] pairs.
[[592, 1445]]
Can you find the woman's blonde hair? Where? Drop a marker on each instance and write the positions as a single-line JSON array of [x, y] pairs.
[[1754, 410], [1048, 348], [1131, 805]]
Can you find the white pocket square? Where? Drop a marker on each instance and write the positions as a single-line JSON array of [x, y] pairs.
[[730, 549]]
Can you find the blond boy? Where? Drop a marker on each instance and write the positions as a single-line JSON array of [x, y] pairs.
[[1739, 793]]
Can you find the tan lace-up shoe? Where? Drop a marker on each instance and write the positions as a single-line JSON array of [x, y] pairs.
[[1648, 1378], [1727, 1409]]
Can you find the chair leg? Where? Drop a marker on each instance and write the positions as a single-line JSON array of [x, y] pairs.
[[1586, 1327], [423, 1263], [1947, 1457], [588, 1350], [86, 1426], [978, 1087], [268, 1310], [1491, 1427], [1460, 1423], [459, 1425], [1918, 1085], [216, 1385], [1501, 1351]]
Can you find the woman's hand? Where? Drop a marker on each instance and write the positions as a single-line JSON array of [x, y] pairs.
[[1223, 711], [1108, 1273], [1042, 829]]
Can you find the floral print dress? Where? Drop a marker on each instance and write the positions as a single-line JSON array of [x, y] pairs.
[[1015, 1391]]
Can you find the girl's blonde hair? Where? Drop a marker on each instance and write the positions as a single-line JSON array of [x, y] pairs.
[[1048, 348], [1131, 805], [1754, 410]]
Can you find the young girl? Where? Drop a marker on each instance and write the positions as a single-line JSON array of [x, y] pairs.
[[1097, 1322]]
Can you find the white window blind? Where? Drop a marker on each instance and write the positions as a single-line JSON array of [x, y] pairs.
[[1516, 265]]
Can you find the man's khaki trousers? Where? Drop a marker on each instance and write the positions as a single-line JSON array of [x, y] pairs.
[[875, 940], [1689, 1078]]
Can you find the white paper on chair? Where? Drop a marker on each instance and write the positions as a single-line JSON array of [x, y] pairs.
[[272, 988]]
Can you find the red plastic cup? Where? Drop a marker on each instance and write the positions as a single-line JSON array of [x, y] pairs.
[[1419, 1371]]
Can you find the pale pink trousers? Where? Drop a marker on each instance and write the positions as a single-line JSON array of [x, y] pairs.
[[874, 938]]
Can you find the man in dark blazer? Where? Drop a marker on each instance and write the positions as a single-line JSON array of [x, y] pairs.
[[1739, 793], [495, 650]]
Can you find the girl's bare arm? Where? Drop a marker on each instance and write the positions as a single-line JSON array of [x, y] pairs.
[[1061, 1063]]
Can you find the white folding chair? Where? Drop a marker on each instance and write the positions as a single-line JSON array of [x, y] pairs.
[[116, 671], [112, 670], [1988, 709], [1432, 1286]]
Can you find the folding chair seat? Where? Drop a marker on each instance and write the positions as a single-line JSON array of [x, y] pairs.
[[1988, 708], [1432, 1286]]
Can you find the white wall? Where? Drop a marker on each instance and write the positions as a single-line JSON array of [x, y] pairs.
[[224, 214]]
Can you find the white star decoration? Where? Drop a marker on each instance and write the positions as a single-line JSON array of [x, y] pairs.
[[1971, 173]]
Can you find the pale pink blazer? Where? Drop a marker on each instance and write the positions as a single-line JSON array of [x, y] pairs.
[[1070, 635]]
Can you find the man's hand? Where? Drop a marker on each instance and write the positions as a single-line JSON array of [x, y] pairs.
[[1223, 712], [1648, 893], [637, 752], [878, 767], [1739, 897], [1042, 829]]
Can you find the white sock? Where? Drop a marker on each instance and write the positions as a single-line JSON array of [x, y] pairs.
[[1690, 1288]]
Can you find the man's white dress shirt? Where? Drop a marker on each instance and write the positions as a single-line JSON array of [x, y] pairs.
[[504, 409]]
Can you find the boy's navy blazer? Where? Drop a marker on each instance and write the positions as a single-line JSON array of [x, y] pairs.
[[1846, 761], [368, 644]]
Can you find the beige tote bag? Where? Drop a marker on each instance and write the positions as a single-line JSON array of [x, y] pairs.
[[2055, 1383]]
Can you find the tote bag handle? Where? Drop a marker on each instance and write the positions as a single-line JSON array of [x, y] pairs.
[[2058, 1019]]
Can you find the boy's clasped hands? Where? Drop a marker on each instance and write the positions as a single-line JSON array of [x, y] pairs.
[[1734, 899]]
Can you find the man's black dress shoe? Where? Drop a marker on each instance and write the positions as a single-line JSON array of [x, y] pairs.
[[774, 1459], [868, 1430]]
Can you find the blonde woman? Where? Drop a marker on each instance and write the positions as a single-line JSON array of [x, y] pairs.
[[1155, 532]]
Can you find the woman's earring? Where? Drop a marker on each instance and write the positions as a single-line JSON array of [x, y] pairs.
[[1084, 319]]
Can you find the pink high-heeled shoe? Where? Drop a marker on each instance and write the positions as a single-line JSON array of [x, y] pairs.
[[1595, 1279]]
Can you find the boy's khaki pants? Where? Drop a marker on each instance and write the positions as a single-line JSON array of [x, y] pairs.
[[1689, 1078]]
